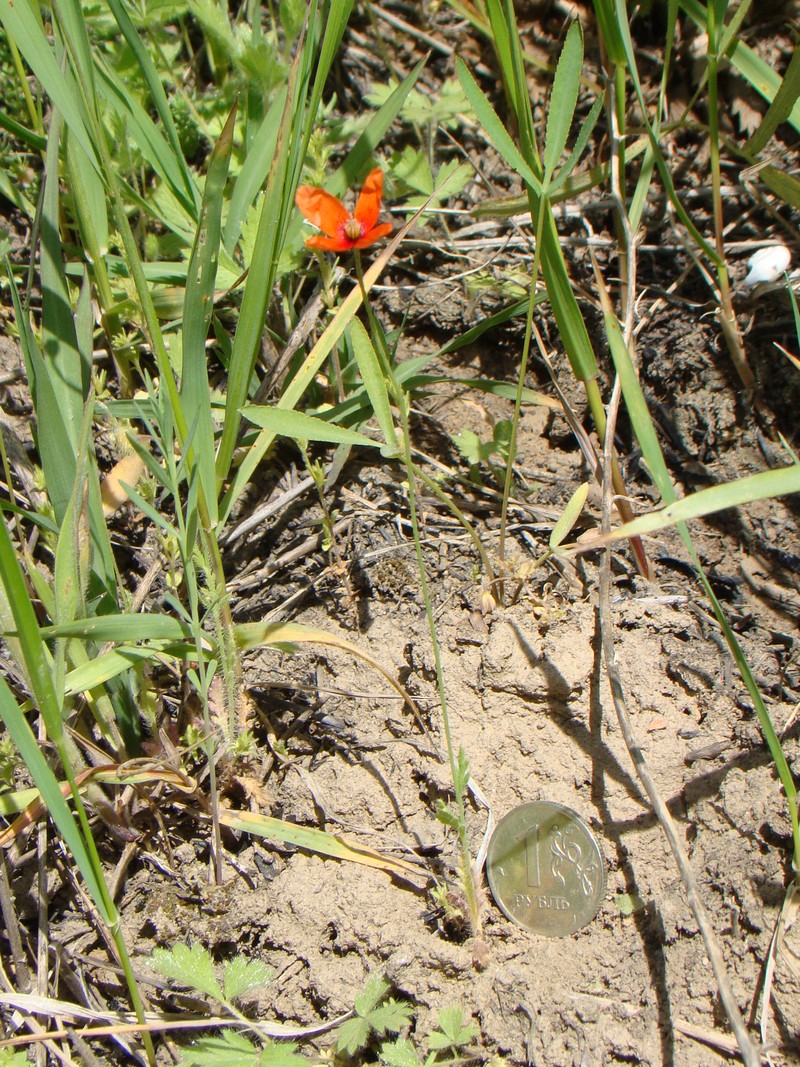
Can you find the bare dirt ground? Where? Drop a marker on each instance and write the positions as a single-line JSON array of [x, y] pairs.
[[527, 693]]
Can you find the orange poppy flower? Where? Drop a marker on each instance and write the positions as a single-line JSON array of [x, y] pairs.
[[343, 231]]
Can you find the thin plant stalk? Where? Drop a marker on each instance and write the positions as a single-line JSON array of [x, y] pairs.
[[467, 872], [727, 315], [523, 369]]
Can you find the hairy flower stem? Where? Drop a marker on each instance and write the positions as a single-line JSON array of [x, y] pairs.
[[401, 400], [727, 314]]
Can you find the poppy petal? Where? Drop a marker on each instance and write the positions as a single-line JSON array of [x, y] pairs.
[[321, 209], [369, 202], [329, 244], [373, 235]]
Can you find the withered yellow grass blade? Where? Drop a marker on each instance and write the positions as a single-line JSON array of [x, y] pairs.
[[136, 771], [275, 634], [324, 844], [762, 486]]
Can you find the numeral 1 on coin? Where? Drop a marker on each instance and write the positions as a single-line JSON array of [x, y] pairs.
[[532, 856]]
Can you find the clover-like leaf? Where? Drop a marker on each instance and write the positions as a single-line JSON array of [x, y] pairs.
[[372, 994], [191, 966], [390, 1016], [353, 1035], [399, 1053], [228, 1049], [454, 1029], [242, 975]]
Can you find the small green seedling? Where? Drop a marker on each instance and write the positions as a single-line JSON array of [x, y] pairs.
[[477, 452], [454, 1033], [192, 966], [375, 1015]]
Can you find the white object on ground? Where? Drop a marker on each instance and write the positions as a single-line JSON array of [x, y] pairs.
[[767, 265]]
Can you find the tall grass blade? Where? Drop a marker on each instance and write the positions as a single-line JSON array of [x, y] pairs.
[[275, 208], [376, 385], [495, 130], [61, 356], [745, 490], [563, 100], [198, 306], [45, 781], [23, 25], [781, 107], [159, 97], [254, 172], [35, 656], [56, 451], [301, 427]]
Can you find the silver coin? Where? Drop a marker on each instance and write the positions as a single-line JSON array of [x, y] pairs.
[[545, 869]]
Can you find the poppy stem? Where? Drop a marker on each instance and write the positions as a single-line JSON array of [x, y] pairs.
[[459, 769]]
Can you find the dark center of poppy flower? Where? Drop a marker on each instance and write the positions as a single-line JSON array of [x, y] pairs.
[[353, 229]]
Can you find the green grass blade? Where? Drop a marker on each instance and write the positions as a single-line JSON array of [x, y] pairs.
[[45, 781], [563, 99], [35, 656], [375, 384], [198, 306], [159, 98], [73, 551], [781, 107], [495, 130], [254, 171], [56, 450], [91, 211], [32, 140], [334, 18], [569, 516], [93, 673], [71, 24], [61, 355], [27, 32], [786, 186], [500, 30], [64, 370], [606, 14], [123, 629], [301, 427], [762, 486], [643, 188], [275, 208], [569, 320]]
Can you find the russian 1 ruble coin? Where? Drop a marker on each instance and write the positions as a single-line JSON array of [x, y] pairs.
[[546, 869]]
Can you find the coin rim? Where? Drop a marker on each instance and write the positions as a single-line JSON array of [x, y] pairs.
[[550, 804]]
